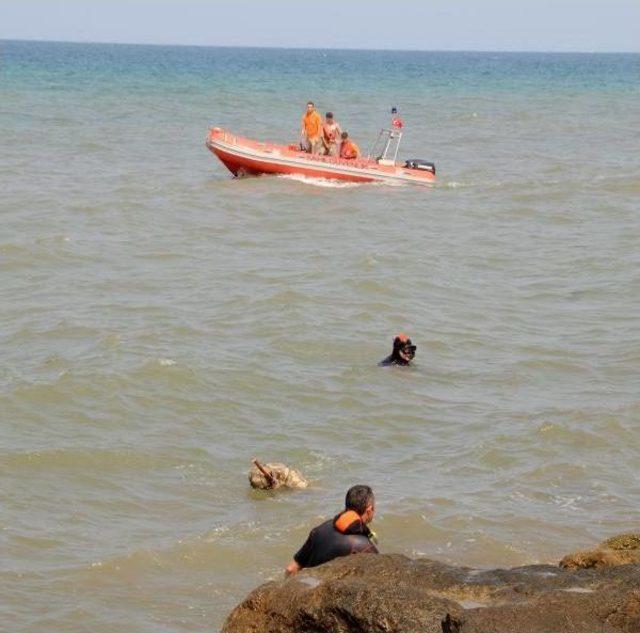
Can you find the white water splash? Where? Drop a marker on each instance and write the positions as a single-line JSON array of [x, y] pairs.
[[339, 184], [320, 182]]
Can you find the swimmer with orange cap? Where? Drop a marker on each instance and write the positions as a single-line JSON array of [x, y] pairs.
[[403, 352]]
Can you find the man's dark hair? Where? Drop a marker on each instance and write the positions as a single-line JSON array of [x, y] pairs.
[[358, 498], [311, 103]]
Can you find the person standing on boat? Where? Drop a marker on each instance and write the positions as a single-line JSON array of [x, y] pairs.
[[311, 130], [348, 149], [330, 134]]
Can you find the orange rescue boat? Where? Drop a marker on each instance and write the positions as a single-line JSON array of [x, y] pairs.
[[243, 156]]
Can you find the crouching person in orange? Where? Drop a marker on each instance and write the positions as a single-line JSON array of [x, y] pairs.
[[347, 533], [348, 149]]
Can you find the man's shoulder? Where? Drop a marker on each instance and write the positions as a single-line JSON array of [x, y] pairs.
[[361, 544], [326, 532], [323, 527]]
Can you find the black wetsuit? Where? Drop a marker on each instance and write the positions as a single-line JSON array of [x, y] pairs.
[[393, 360], [325, 543], [401, 345]]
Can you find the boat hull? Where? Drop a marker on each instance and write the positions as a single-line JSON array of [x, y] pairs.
[[244, 156]]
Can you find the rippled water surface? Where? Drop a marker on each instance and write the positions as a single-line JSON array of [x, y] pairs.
[[163, 323]]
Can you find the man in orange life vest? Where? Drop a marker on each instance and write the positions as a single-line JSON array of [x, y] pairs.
[[347, 533], [311, 130], [348, 149]]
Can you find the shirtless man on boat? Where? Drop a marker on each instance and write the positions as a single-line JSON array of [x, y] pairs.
[[311, 130], [330, 135]]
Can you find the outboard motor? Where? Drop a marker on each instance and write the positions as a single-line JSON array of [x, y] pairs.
[[422, 165]]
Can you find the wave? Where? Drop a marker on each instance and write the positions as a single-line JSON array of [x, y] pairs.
[[319, 182], [336, 184]]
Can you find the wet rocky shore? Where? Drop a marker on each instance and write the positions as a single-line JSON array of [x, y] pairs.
[[590, 591]]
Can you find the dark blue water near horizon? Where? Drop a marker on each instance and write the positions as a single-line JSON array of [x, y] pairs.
[[444, 69]]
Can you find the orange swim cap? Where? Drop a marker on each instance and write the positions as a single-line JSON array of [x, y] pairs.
[[402, 337]]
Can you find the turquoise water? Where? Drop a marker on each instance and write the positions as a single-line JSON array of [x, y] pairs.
[[164, 323]]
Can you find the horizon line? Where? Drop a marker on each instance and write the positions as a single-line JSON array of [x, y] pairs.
[[329, 48]]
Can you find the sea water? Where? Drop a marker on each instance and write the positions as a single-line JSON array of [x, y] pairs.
[[163, 323]]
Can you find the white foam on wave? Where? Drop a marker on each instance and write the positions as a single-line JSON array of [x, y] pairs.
[[567, 502], [166, 362], [320, 182], [455, 184], [338, 184]]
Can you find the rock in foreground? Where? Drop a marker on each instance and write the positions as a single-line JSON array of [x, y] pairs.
[[394, 594], [618, 550]]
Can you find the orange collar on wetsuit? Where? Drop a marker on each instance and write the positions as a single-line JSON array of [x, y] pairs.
[[350, 522]]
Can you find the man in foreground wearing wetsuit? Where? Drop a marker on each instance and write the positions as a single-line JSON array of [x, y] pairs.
[[347, 533], [403, 352]]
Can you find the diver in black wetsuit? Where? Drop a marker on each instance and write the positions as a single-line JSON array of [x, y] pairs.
[[347, 533], [403, 352]]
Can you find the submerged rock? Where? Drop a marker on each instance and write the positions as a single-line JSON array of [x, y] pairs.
[[394, 594], [282, 475], [618, 550]]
